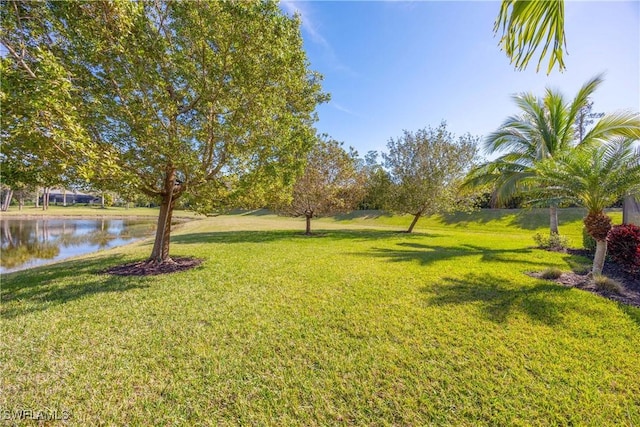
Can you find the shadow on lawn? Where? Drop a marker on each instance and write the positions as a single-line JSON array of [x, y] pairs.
[[363, 214], [499, 298], [526, 219], [428, 254], [279, 235], [37, 289]]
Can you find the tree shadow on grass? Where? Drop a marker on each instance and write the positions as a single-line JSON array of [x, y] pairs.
[[38, 289], [526, 219], [428, 254], [362, 214], [500, 298], [281, 235], [632, 312]]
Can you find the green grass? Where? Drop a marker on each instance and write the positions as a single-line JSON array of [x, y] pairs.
[[357, 325], [88, 211]]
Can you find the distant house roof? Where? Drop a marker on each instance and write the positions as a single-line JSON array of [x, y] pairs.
[[60, 191]]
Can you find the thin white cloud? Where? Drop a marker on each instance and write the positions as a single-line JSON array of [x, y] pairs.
[[344, 109], [310, 27]]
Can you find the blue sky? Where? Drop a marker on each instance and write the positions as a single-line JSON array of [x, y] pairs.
[[393, 65]]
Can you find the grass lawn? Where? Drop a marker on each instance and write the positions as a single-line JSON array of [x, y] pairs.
[[89, 211], [357, 325]]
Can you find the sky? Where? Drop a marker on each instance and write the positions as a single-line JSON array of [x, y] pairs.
[[396, 65]]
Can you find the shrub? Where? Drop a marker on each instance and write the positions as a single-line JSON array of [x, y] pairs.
[[624, 246], [588, 242], [551, 273], [553, 241], [607, 284]]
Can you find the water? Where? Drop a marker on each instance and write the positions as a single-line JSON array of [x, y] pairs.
[[26, 243]]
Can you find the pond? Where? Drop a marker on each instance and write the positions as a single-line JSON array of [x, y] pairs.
[[26, 243]]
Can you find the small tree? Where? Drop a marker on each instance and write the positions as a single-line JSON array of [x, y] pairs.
[[594, 176], [426, 169], [377, 183], [331, 183], [585, 119]]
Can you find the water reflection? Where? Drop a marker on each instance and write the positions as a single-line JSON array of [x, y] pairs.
[[25, 243]]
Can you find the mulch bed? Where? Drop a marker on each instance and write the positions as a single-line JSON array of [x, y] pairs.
[[631, 282], [152, 268]]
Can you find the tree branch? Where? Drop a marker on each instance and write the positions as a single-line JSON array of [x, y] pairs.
[[18, 58]]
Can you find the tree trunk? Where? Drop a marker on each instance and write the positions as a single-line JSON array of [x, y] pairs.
[[7, 200], [64, 197], [102, 201], [21, 200], [7, 232], [598, 258], [416, 217], [45, 198], [553, 218], [37, 201], [308, 217], [160, 252]]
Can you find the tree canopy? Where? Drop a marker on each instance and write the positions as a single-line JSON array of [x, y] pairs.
[[331, 182], [40, 124], [427, 167], [211, 101]]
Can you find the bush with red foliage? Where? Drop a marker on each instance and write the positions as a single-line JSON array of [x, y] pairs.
[[624, 246]]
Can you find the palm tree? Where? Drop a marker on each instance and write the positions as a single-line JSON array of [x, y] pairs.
[[595, 176], [545, 128]]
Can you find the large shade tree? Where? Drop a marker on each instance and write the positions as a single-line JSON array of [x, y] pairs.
[[40, 124], [544, 128], [211, 101], [595, 176], [426, 168]]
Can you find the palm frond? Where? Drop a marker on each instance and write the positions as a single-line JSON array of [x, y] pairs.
[[596, 174], [620, 124], [582, 97], [525, 25]]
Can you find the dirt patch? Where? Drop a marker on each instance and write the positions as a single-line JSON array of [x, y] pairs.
[[630, 294], [152, 268]]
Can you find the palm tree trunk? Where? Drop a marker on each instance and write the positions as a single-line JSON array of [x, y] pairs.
[[553, 218], [598, 258]]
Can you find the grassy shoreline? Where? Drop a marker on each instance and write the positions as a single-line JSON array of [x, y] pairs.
[[89, 212], [357, 325]]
